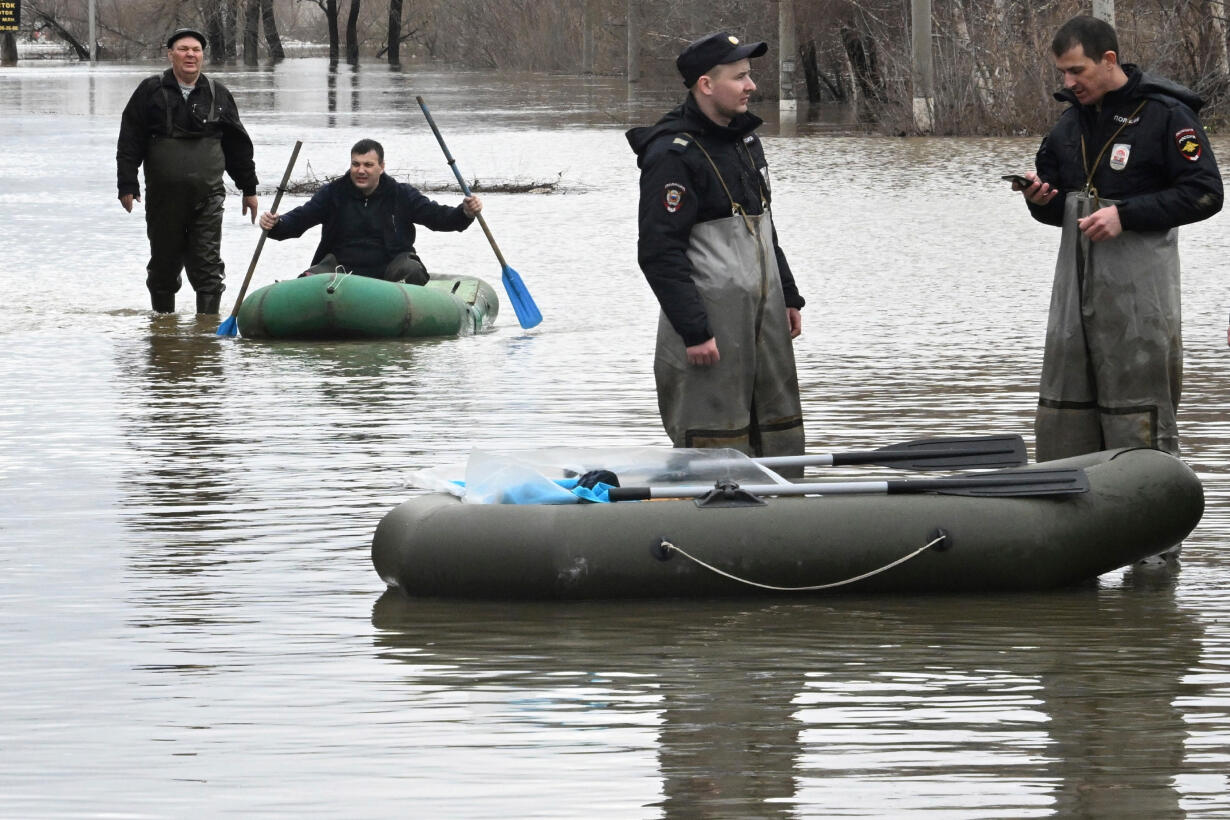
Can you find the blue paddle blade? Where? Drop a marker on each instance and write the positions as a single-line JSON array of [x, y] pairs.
[[523, 304], [228, 327]]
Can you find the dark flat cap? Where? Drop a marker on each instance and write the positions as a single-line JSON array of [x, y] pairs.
[[718, 48], [186, 32]]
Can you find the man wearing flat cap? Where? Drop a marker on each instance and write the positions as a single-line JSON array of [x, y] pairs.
[[724, 365], [184, 128]]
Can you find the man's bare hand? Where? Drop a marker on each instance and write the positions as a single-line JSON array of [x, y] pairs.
[[795, 318], [1102, 224], [704, 354], [1038, 192], [249, 204], [127, 199]]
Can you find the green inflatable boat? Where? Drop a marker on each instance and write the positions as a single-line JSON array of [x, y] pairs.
[[1131, 504], [345, 306]]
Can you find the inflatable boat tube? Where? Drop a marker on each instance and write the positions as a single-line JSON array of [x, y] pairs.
[[343, 306], [1140, 502]]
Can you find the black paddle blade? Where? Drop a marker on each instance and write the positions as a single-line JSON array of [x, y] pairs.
[[1005, 483], [944, 454]]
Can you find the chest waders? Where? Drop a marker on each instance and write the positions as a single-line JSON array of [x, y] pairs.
[[1112, 372], [183, 211], [749, 400]]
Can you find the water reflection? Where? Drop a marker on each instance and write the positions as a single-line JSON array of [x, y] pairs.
[[174, 411], [970, 707]]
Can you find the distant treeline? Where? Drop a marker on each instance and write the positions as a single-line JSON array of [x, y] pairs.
[[993, 71]]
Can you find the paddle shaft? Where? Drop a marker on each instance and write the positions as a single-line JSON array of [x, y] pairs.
[[277, 199], [1019, 482], [978, 451], [465, 189]]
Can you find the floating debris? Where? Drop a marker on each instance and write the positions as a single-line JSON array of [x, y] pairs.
[[311, 183]]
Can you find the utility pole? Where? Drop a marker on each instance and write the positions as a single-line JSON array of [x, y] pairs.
[[634, 41], [924, 72], [588, 15], [93, 12], [1104, 10], [787, 48]]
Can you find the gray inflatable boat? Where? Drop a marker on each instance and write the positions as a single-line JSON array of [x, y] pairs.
[[1138, 503]]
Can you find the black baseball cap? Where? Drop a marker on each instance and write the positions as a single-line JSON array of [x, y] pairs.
[[718, 48], [186, 32]]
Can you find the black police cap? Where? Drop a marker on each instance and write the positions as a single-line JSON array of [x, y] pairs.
[[186, 32], [718, 48]]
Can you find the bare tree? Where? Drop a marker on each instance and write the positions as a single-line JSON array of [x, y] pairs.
[[352, 37], [394, 32], [50, 19], [329, 7], [215, 30], [272, 39], [251, 31]]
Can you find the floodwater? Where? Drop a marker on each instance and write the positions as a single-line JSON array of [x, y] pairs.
[[189, 621]]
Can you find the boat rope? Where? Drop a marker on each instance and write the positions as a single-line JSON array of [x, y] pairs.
[[666, 546], [339, 276]]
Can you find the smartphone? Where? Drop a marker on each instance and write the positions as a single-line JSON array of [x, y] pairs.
[[1018, 179]]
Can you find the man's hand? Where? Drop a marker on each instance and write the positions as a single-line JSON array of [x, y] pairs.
[[704, 354], [471, 206], [268, 220], [249, 204], [1102, 224], [795, 318], [1038, 192], [127, 199]]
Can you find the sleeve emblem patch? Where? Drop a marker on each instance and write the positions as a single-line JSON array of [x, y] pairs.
[[672, 197], [1189, 144]]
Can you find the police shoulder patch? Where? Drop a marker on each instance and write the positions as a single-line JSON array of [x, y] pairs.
[[672, 196], [1188, 143]]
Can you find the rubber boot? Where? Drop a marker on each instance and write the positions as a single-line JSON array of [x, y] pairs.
[[162, 301], [208, 302]]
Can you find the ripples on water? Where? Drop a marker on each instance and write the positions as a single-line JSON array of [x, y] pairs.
[[190, 620]]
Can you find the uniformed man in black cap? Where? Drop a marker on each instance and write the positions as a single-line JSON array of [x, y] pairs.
[[724, 365], [184, 128]]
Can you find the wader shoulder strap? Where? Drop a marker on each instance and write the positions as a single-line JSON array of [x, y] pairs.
[[166, 102], [213, 105], [735, 207], [1090, 170], [213, 101]]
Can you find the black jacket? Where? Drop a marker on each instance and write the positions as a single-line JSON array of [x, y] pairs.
[[406, 206], [679, 189], [1169, 178], [145, 117]]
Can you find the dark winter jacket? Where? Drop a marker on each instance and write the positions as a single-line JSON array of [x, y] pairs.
[[679, 189], [146, 118], [1160, 165], [403, 206]]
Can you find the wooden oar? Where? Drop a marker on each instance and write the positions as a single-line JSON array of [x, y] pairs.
[[523, 304], [920, 454], [228, 326], [1005, 483]]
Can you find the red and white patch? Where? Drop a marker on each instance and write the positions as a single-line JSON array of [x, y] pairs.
[[1189, 144], [672, 197]]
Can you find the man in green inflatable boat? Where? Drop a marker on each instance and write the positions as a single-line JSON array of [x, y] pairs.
[[368, 221]]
